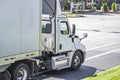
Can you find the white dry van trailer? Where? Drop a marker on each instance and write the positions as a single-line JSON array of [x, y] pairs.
[[35, 37]]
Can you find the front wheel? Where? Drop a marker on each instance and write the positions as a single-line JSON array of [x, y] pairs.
[[20, 72], [76, 61]]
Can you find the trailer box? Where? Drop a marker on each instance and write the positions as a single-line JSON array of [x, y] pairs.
[[20, 28]]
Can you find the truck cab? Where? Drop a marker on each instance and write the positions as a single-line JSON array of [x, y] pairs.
[[60, 43]]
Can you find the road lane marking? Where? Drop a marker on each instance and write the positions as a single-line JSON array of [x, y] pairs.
[[102, 46], [102, 54]]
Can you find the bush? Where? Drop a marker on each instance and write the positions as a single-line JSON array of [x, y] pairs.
[[105, 7], [97, 6], [67, 6], [113, 7]]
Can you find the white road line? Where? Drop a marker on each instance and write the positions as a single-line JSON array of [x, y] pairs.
[[102, 54], [102, 46]]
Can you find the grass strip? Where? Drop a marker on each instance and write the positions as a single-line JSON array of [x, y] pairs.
[[111, 74], [73, 15]]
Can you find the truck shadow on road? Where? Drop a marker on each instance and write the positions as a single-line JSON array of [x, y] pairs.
[[67, 74]]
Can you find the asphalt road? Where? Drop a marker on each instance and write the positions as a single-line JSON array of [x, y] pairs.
[[102, 43]]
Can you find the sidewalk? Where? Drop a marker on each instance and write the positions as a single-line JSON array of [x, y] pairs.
[[99, 12], [77, 12]]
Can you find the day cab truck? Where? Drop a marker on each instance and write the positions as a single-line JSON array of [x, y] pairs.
[[34, 38]]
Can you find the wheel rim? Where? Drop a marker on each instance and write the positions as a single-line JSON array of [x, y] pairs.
[[22, 74], [76, 61]]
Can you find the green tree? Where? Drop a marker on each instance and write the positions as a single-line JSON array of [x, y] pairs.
[[67, 6]]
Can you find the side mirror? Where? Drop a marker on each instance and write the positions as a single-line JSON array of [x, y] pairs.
[[73, 29], [85, 35]]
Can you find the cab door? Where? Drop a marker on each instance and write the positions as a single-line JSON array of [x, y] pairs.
[[65, 42]]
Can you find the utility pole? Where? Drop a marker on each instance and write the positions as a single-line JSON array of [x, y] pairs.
[[92, 4], [92, 1]]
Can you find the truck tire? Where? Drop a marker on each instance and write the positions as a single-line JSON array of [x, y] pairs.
[[21, 71], [76, 61], [4, 76]]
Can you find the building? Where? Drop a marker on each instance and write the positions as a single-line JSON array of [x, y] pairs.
[[99, 2], [93, 1], [88, 3]]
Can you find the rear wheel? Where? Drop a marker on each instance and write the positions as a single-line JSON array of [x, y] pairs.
[[21, 71], [76, 61], [4, 76]]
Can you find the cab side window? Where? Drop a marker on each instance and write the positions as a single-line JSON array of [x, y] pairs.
[[64, 28], [46, 27]]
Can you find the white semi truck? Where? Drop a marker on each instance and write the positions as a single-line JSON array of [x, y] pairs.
[[35, 37]]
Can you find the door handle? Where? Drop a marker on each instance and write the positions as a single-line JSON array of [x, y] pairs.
[[60, 46]]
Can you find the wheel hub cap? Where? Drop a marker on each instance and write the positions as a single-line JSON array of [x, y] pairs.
[[76, 60], [22, 74]]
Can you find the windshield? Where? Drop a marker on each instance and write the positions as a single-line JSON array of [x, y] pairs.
[[46, 27]]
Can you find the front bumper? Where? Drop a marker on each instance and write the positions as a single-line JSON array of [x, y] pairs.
[[84, 56]]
